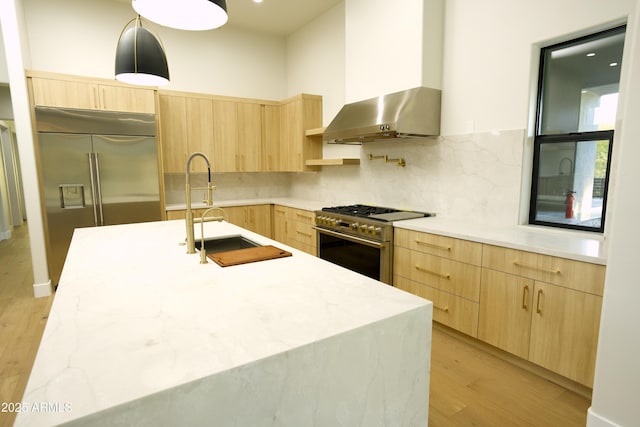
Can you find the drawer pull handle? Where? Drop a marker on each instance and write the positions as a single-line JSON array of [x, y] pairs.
[[304, 234], [435, 273], [525, 291], [303, 216], [431, 245], [445, 308], [538, 308], [535, 267]]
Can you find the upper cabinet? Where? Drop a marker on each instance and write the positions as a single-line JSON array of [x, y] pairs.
[[238, 134], [58, 90], [298, 114], [173, 133]]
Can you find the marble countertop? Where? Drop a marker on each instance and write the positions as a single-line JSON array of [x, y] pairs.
[[580, 246], [561, 243], [292, 202], [134, 315]]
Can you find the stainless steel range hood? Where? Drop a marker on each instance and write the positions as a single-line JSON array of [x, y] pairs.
[[412, 113]]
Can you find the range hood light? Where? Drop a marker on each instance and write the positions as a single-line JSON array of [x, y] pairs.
[[195, 15]]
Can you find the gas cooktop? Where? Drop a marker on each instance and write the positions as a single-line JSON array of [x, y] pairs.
[[375, 212]]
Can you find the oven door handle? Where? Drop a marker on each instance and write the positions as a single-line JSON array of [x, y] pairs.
[[350, 238]]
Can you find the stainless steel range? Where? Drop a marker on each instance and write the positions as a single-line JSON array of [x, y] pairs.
[[360, 237]]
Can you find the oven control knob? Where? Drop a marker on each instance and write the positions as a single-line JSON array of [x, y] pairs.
[[363, 228], [378, 231], [371, 230], [354, 226]]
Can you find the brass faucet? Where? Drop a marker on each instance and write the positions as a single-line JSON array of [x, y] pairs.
[[189, 219], [203, 249]]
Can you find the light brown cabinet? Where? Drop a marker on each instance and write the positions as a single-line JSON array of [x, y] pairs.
[[552, 325], [173, 133], [240, 135], [443, 270], [256, 218], [298, 114], [294, 227], [272, 158], [541, 308], [71, 92]]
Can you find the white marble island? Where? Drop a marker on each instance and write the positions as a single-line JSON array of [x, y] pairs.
[[140, 333]]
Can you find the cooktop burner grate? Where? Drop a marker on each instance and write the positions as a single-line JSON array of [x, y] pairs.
[[362, 211]]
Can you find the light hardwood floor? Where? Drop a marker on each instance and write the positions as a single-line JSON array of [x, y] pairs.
[[22, 319], [469, 387]]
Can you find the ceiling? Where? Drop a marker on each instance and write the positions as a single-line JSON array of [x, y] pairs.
[[275, 17]]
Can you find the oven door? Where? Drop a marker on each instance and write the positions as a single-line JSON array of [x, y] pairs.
[[369, 257]]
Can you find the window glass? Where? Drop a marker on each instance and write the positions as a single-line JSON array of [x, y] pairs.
[[580, 81], [577, 106], [571, 182]]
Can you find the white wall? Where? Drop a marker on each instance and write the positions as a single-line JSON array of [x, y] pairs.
[[616, 391], [82, 39], [12, 18]]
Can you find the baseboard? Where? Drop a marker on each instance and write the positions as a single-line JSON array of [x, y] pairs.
[[42, 289], [595, 420], [5, 235]]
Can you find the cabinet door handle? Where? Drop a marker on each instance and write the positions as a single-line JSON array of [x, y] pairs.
[[435, 273], [445, 308], [432, 245], [538, 308], [535, 267], [303, 216], [525, 291], [304, 234]]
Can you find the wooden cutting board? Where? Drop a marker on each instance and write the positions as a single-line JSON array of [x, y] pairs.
[[244, 256]]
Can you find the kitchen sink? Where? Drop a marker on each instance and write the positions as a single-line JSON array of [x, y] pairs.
[[227, 243]]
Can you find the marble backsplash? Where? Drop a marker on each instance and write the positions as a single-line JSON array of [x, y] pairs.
[[466, 177], [229, 186], [475, 176]]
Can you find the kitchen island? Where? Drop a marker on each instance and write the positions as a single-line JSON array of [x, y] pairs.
[[140, 333]]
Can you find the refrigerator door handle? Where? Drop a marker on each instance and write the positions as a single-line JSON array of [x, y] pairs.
[[96, 161], [94, 200]]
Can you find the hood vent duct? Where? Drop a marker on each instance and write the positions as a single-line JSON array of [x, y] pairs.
[[412, 113]]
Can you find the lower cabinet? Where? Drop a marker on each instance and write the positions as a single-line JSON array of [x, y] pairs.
[[541, 308], [256, 218], [450, 279], [552, 326], [294, 227], [291, 226]]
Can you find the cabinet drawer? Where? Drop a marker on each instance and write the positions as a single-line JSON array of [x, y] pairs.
[[443, 246], [578, 275], [303, 216], [453, 311], [447, 275], [304, 234]]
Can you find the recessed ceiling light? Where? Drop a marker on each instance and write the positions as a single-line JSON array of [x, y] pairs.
[[613, 64], [257, 1], [591, 54]]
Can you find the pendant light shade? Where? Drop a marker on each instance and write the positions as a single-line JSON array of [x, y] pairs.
[[184, 14], [140, 58]]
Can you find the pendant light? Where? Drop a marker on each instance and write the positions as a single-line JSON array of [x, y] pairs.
[[140, 58], [184, 14]]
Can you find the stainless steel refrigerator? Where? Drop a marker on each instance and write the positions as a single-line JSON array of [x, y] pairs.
[[94, 179]]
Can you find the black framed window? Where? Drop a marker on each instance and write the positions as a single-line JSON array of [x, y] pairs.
[[575, 122]]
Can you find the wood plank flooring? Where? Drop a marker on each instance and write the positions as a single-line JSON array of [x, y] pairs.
[[22, 319], [469, 387]]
